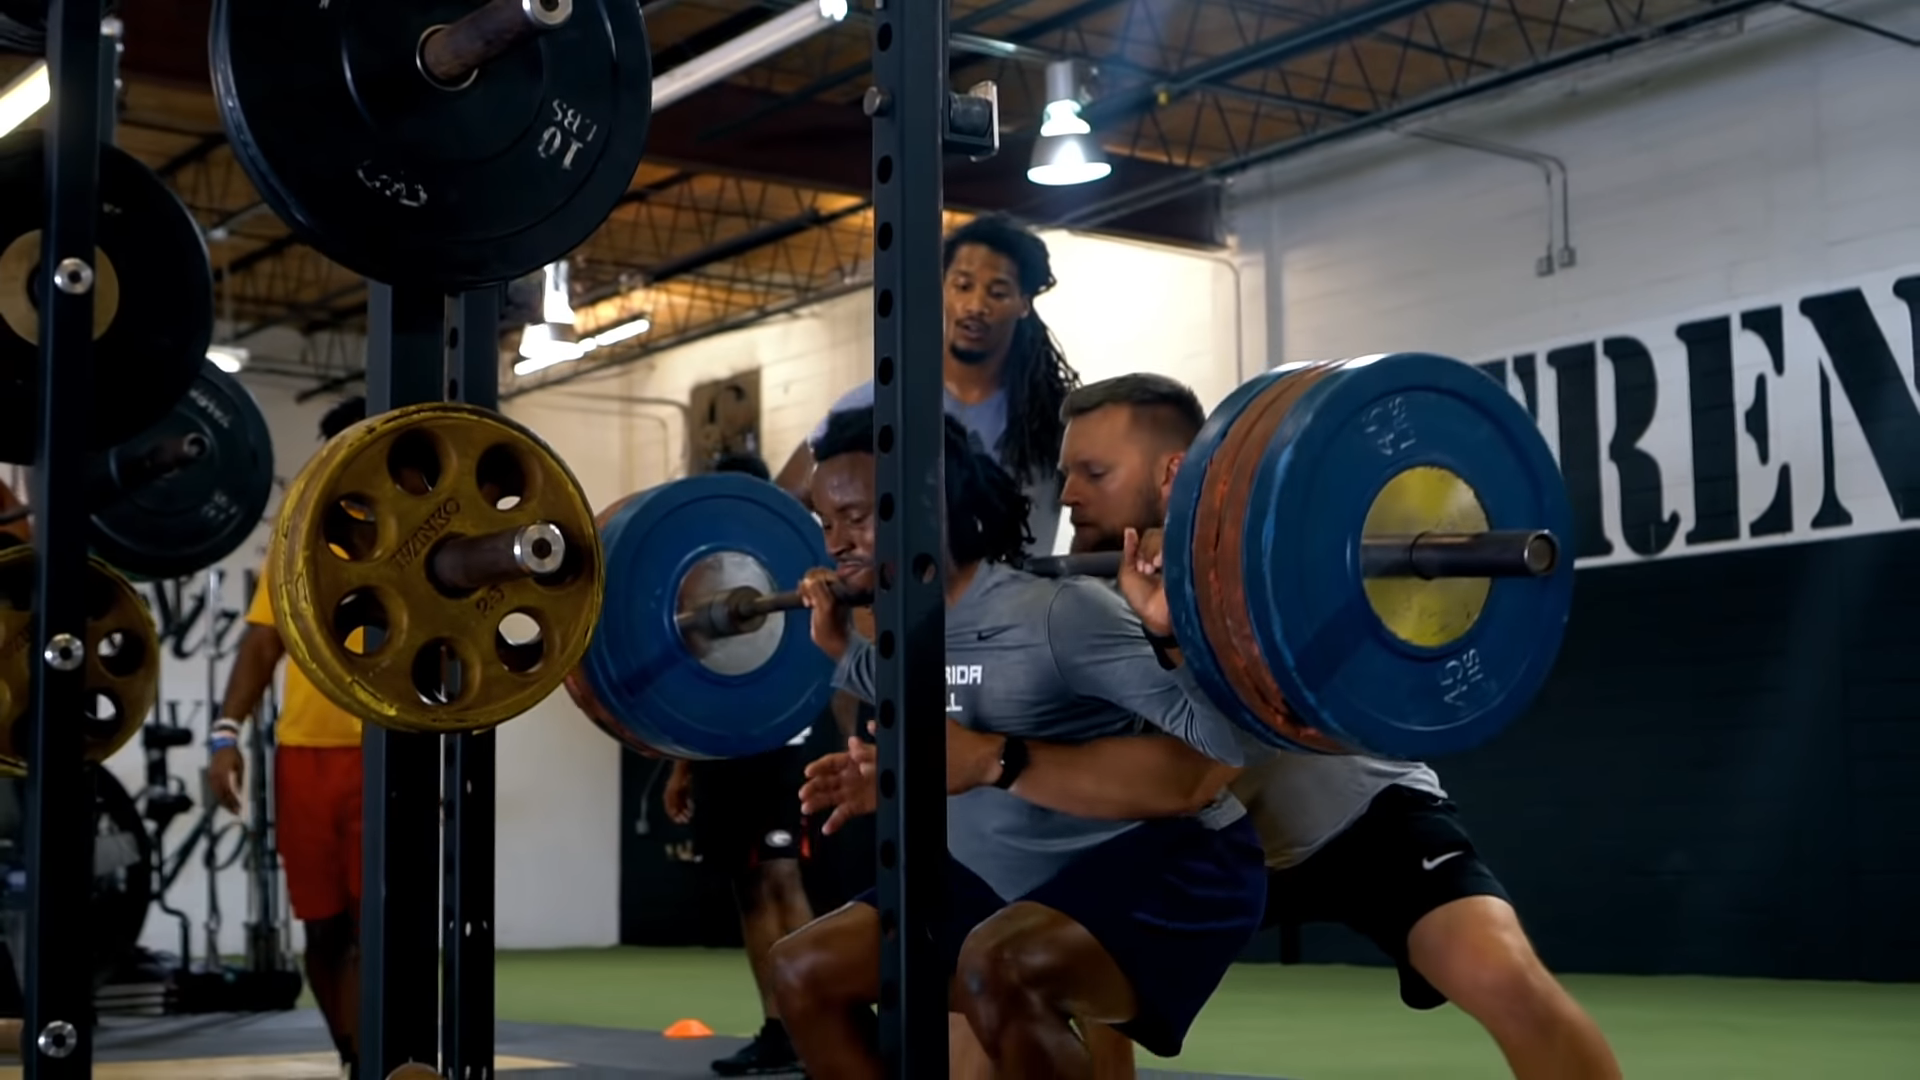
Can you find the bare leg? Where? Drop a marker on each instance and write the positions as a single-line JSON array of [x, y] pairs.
[[1474, 951], [333, 970], [1112, 1052], [825, 977], [773, 904], [1025, 974]]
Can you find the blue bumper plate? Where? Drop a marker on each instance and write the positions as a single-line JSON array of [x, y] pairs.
[[1404, 667], [691, 698]]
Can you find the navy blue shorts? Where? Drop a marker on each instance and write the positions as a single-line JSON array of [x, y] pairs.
[[1172, 901]]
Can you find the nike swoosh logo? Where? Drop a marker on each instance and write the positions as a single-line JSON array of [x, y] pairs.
[[1428, 864], [989, 635]]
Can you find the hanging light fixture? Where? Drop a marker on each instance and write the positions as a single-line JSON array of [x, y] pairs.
[[1066, 152], [544, 344], [777, 34]]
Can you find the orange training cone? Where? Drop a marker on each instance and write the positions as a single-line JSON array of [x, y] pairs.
[[688, 1029]]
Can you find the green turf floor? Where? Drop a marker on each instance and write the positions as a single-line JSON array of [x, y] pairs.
[[1332, 1023]]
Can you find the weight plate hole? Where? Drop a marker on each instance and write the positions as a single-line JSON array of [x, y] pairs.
[[351, 531], [121, 654], [519, 642], [502, 478], [414, 463], [360, 622], [102, 715], [439, 675]]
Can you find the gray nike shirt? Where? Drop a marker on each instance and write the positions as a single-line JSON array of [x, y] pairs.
[[1064, 660]]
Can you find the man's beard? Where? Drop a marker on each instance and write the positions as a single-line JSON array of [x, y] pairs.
[[969, 357]]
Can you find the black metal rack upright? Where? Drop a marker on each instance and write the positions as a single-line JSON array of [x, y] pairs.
[[425, 347], [58, 1036], [909, 104]]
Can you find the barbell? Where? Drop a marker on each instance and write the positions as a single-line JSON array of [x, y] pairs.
[[1364, 549], [434, 143]]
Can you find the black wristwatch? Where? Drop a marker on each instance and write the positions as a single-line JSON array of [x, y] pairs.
[[1013, 761], [1166, 643]]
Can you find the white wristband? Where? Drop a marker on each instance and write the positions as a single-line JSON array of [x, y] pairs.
[[228, 727]]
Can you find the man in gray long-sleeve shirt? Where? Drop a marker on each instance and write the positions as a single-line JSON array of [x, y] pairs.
[[1050, 915], [1371, 843]]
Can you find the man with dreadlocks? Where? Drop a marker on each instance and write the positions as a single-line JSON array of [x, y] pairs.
[[1005, 374], [1050, 919]]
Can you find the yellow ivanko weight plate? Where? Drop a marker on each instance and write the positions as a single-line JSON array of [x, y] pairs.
[[122, 664], [359, 551]]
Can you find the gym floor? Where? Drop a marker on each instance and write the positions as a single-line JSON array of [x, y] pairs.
[[599, 1013]]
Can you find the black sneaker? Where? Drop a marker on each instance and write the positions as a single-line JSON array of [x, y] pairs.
[[769, 1052]]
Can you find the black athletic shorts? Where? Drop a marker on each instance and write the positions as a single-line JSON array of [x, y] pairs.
[[747, 811], [1172, 901], [1407, 855]]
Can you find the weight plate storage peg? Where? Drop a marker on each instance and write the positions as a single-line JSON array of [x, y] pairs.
[[120, 657], [436, 569], [1296, 484], [187, 492], [152, 287], [688, 695], [436, 143]]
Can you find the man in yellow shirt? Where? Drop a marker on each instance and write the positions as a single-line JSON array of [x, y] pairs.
[[317, 783]]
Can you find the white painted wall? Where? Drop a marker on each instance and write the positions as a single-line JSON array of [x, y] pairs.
[[1748, 166]]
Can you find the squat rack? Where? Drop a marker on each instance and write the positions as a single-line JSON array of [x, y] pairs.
[[57, 1040], [910, 107]]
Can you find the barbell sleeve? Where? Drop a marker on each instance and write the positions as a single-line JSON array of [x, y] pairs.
[[449, 55], [1501, 553], [476, 562]]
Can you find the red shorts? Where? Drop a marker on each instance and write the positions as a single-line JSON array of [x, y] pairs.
[[317, 803]]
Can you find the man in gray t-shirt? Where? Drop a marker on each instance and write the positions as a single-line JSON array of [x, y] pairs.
[[1371, 843], [1126, 923], [1004, 372]]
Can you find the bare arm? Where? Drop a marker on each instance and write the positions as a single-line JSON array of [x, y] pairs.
[[1123, 778], [260, 652]]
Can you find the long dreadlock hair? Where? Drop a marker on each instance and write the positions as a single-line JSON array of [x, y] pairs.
[[1037, 377], [986, 508]]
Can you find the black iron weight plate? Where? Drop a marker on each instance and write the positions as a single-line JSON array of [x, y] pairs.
[[190, 519], [154, 298], [407, 183]]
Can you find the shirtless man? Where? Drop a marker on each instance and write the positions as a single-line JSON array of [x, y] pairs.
[[1052, 919]]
